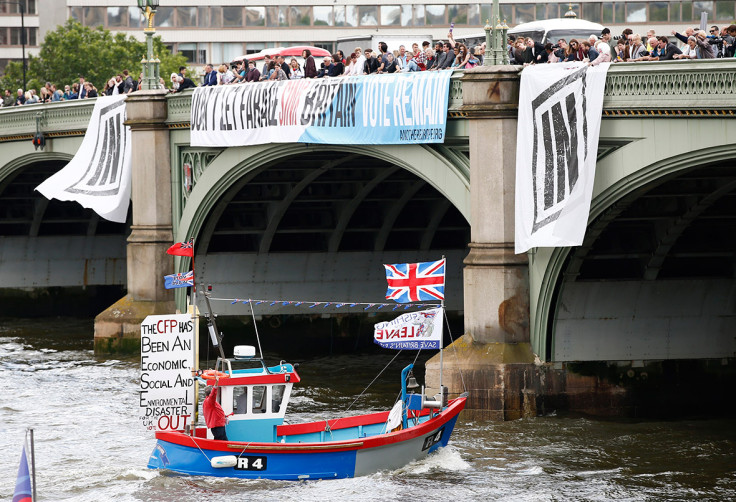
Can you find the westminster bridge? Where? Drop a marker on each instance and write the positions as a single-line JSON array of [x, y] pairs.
[[647, 302]]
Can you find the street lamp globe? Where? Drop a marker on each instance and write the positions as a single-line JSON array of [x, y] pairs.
[[153, 4]]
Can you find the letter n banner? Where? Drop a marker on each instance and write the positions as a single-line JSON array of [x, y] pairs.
[[557, 143]]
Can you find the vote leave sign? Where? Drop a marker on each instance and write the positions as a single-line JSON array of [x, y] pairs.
[[167, 358]]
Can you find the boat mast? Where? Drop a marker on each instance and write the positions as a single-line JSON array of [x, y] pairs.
[[212, 325], [442, 306]]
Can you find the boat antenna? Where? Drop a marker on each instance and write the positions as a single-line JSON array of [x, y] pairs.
[[255, 326], [215, 335]]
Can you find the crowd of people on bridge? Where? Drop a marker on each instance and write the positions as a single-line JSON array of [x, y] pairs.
[[628, 47], [444, 55]]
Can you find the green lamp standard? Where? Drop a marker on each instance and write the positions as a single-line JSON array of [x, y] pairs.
[[150, 64]]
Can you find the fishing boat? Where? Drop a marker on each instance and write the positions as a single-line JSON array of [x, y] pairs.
[[260, 445]]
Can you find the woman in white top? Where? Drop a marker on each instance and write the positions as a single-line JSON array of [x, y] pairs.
[[296, 72], [689, 51], [359, 62]]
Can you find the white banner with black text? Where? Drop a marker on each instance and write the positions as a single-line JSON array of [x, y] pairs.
[[397, 108], [560, 109], [99, 175]]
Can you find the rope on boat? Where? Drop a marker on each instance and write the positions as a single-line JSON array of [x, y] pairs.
[[449, 332], [200, 449]]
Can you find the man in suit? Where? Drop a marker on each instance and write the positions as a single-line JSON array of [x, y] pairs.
[[210, 75], [534, 52]]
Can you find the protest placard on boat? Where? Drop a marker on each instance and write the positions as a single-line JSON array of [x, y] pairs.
[[411, 331], [167, 359]]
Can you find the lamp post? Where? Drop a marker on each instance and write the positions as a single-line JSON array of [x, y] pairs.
[[496, 53], [22, 36], [150, 64]]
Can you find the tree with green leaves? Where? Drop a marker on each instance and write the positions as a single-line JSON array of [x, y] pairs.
[[73, 50]]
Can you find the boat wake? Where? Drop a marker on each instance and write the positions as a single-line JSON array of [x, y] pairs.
[[444, 459]]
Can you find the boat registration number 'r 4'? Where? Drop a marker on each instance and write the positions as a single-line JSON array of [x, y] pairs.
[[251, 464]]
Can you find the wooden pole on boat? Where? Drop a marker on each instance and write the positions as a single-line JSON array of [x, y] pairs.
[[442, 339], [33, 467]]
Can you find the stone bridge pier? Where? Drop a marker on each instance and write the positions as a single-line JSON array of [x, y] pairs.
[[118, 327], [494, 358]]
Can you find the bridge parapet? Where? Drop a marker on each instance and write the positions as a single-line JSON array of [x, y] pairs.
[[65, 118], [699, 87]]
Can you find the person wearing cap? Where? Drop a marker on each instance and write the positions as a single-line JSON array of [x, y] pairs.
[[214, 415]]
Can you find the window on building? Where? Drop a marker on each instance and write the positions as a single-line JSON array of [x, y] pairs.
[[135, 17], [29, 7], [636, 12], [77, 14], [323, 15], [699, 7], [203, 17], [31, 36], [435, 15], [232, 50], [607, 13], [276, 17], [350, 16], [659, 12], [368, 15], [419, 15], [94, 16], [117, 17], [232, 17], [525, 13], [164, 17], [390, 15], [457, 14], [592, 12], [300, 16], [255, 16], [186, 17], [4, 36], [406, 15], [474, 15], [725, 11], [215, 17], [547, 11]]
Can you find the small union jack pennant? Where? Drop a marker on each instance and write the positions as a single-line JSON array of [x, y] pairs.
[[413, 282], [181, 280], [182, 249]]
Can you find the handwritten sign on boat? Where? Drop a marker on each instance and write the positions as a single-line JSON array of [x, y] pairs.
[[167, 359], [411, 331]]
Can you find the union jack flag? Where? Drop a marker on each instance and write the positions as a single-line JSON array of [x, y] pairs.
[[413, 282], [180, 280]]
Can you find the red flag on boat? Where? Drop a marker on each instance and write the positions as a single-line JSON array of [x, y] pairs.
[[23, 492], [182, 249]]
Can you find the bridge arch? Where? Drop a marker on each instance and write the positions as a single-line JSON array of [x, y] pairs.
[[352, 173], [623, 178], [56, 256]]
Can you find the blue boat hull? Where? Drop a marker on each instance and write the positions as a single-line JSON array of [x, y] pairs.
[[329, 460]]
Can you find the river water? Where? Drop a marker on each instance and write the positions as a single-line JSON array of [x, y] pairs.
[[90, 445]]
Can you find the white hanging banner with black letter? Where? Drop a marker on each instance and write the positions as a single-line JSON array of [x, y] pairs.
[[557, 145], [99, 175]]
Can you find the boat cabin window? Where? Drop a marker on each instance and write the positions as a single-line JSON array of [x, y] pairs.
[[277, 397], [240, 400], [259, 399]]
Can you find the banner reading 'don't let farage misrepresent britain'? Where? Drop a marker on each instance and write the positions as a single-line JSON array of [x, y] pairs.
[[398, 108]]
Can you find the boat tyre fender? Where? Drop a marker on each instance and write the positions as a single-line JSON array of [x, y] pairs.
[[212, 374]]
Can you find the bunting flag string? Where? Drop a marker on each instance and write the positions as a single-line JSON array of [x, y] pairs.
[[321, 304]]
